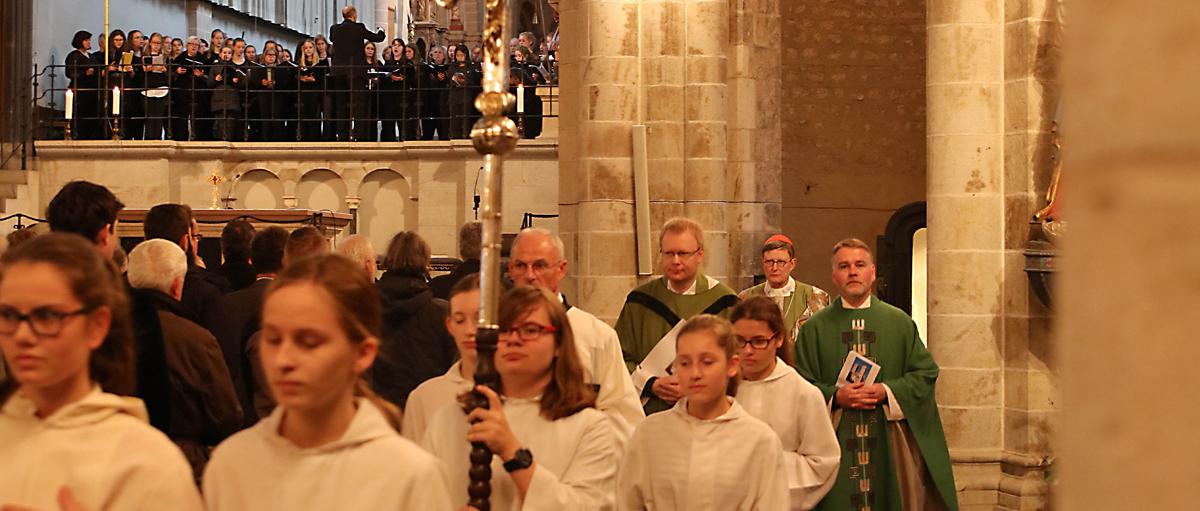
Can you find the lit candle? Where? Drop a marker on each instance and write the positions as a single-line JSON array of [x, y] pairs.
[[520, 98], [116, 101], [70, 104]]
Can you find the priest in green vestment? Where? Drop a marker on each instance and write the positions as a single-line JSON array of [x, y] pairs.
[[894, 454], [652, 312], [798, 300]]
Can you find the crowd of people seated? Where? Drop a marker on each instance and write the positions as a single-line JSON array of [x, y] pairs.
[[156, 87]]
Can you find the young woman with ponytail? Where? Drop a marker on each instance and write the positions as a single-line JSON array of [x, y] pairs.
[[331, 443]]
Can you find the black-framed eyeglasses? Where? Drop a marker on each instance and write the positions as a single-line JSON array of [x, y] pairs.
[[770, 263], [530, 331], [44, 321], [758, 343]]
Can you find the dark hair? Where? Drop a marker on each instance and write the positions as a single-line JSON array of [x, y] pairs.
[[266, 251], [722, 331], [408, 254], [302, 242], [170, 222], [356, 302], [109, 41], [416, 53], [470, 240], [216, 31], [465, 285], [236, 237], [80, 37], [129, 39], [762, 308], [95, 283], [777, 245], [566, 394], [83, 208]]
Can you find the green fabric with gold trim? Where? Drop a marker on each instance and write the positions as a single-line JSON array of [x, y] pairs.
[[640, 328], [907, 369], [797, 308]]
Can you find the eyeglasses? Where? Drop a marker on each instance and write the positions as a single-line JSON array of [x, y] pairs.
[[539, 266], [775, 262], [44, 321], [672, 254], [758, 343], [530, 331]]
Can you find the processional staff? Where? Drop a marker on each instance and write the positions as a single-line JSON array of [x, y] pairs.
[[494, 136]]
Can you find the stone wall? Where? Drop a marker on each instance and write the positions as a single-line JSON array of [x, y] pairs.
[[427, 186], [853, 122]]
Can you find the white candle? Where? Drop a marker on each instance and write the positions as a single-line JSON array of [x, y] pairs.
[[520, 98], [116, 101], [70, 104]]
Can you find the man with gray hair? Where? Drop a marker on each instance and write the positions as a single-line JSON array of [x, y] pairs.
[[203, 408], [537, 259], [470, 243], [358, 248]]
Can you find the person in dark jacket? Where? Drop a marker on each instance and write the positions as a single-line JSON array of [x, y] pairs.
[[202, 288], [310, 78], [236, 238], [85, 84], [469, 243], [188, 90], [415, 345], [154, 79], [203, 406], [348, 38], [225, 103], [435, 112], [464, 83], [244, 315]]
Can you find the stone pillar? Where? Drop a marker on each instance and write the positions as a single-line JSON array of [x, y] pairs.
[[1128, 293], [964, 95], [665, 64]]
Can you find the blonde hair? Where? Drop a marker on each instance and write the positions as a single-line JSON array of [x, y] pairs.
[[680, 225], [851, 243], [722, 332]]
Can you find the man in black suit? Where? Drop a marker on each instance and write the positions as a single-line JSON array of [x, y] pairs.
[[469, 245], [348, 38], [244, 311]]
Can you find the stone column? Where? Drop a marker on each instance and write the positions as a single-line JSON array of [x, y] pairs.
[[964, 95], [1129, 288]]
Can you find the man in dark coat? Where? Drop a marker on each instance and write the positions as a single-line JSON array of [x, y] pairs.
[[236, 238], [348, 38], [203, 407], [469, 243]]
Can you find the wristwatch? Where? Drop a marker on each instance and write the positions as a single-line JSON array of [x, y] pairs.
[[523, 459]]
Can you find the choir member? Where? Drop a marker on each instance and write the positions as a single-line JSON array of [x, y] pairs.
[[775, 393], [224, 79], [133, 105], [85, 82], [330, 443], [464, 85], [391, 91], [410, 111], [68, 436], [154, 78], [435, 116], [552, 449], [707, 452], [310, 72], [188, 90], [328, 112], [266, 82]]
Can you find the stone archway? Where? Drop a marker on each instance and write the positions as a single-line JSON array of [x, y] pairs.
[[258, 189], [386, 206], [321, 189]]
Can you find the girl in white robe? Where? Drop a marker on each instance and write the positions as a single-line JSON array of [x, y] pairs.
[[773, 392], [552, 449], [67, 440], [331, 443], [435, 393], [706, 453]]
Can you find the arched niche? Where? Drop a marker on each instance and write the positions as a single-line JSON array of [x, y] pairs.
[[321, 189], [385, 207], [258, 189]]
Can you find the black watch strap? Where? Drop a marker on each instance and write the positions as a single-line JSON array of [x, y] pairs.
[[523, 459]]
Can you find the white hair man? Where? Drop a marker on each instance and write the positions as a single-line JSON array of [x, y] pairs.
[[358, 248], [537, 259], [202, 405]]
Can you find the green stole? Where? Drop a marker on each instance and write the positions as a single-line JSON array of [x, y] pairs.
[[890, 338], [648, 315], [792, 305]]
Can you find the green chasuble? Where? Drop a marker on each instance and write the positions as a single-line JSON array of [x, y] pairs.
[[651, 310], [890, 338], [798, 307]]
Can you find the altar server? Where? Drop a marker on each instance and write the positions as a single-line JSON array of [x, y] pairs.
[[706, 453], [775, 393], [330, 443], [435, 393], [66, 437], [553, 449]]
